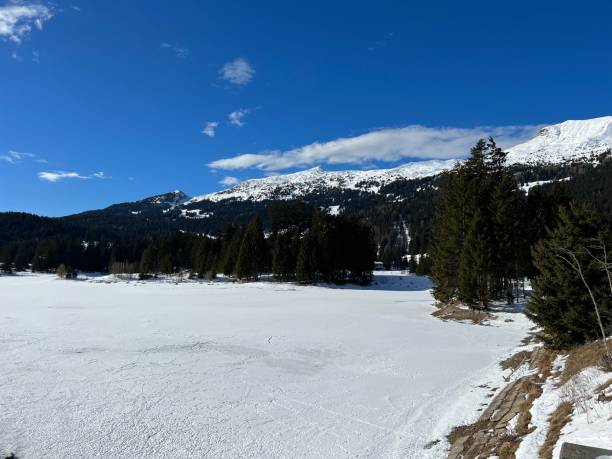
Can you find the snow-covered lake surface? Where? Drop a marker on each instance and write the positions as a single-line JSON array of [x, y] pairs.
[[225, 370]]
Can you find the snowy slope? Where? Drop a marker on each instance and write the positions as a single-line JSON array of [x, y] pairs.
[[567, 141], [302, 183], [554, 144]]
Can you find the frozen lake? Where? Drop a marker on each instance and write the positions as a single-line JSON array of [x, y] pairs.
[[225, 370]]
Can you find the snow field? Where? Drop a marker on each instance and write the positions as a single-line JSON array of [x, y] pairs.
[[238, 370]]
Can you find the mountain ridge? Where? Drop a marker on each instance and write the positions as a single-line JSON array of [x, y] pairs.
[[570, 140]]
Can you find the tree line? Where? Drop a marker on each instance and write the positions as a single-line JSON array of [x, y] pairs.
[[313, 247], [489, 237]]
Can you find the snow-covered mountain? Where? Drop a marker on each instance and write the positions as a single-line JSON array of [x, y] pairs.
[[317, 180], [172, 199], [568, 141]]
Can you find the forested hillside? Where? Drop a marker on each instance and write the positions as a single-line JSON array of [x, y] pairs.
[[401, 214]]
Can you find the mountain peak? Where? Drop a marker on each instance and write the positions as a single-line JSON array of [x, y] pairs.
[[566, 141], [173, 198]]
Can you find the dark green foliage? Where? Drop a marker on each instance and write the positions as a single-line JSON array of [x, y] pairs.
[[284, 254], [412, 264], [476, 264], [252, 255], [484, 230], [424, 266], [561, 304], [306, 263], [232, 240]]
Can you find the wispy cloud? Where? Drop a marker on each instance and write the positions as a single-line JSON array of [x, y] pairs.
[[17, 19], [35, 57], [178, 51], [229, 181], [381, 43], [14, 157], [236, 118], [57, 176], [209, 129], [238, 71], [386, 145]]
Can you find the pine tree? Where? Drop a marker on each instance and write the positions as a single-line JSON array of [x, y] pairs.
[[449, 234], [22, 258], [232, 240], [165, 264], [560, 303], [306, 264], [148, 262], [252, 255], [319, 241], [412, 264], [284, 255], [475, 263], [506, 205]]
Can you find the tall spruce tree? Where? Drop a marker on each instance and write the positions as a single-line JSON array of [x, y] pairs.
[[449, 234], [306, 263], [232, 241], [284, 255], [560, 303], [506, 205], [252, 256], [475, 263]]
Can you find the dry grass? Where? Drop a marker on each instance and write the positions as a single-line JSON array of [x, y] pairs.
[[581, 357], [558, 419], [515, 361], [453, 312], [601, 390]]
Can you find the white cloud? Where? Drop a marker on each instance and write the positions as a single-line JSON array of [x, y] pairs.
[[238, 71], [381, 145], [35, 57], [177, 50], [56, 176], [229, 181], [16, 56], [18, 18], [209, 129], [236, 117], [15, 157]]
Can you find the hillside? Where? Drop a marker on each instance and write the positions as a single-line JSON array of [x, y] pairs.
[[398, 202]]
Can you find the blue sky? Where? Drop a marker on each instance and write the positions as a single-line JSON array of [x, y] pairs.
[[105, 102]]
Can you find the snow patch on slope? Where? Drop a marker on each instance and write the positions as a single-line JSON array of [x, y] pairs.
[[568, 141], [298, 184]]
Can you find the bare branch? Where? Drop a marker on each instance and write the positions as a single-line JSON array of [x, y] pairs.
[[572, 260]]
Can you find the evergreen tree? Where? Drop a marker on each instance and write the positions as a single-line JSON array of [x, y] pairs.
[[165, 264], [560, 303], [506, 205], [252, 255], [284, 255], [232, 241], [306, 263], [452, 219], [475, 263], [148, 262], [412, 264], [319, 241], [22, 258]]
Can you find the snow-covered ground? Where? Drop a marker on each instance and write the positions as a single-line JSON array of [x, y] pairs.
[[225, 370]]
